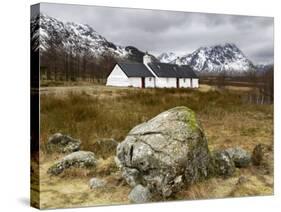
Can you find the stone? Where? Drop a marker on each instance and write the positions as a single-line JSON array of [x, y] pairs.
[[223, 163], [140, 194], [63, 143], [96, 183], [240, 157], [165, 153], [262, 157], [79, 159]]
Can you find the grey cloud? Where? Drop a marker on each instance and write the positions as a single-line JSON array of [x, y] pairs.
[[159, 31]]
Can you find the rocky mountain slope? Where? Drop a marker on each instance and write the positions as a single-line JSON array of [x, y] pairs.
[[77, 38], [167, 57], [48, 32], [215, 59]]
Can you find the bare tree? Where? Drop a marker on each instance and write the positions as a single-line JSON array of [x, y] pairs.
[[266, 87]]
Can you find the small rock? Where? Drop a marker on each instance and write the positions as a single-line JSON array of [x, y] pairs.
[[140, 194], [63, 143], [262, 156], [223, 163], [97, 183], [80, 159], [240, 157], [132, 176], [259, 153]]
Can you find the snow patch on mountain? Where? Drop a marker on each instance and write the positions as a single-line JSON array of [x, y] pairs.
[[167, 57], [216, 59], [77, 38], [48, 32]]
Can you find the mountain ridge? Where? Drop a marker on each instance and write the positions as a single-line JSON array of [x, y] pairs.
[[78, 38], [216, 59], [82, 38]]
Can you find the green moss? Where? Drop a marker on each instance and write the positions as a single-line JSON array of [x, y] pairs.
[[191, 120], [188, 116]]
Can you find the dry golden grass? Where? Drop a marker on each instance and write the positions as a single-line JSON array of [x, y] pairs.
[[98, 112], [245, 182], [71, 188]]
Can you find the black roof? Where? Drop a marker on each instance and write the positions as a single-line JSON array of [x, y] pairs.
[[135, 70], [172, 70]]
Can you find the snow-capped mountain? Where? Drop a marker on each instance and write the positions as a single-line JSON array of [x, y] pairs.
[[218, 58], [167, 57], [48, 32], [77, 38]]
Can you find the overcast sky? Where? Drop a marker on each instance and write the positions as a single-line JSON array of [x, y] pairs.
[[159, 31]]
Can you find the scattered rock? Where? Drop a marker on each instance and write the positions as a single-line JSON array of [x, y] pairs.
[[140, 194], [240, 157], [223, 163], [105, 147], [165, 152], [80, 159], [97, 183], [258, 154], [63, 143], [262, 156]]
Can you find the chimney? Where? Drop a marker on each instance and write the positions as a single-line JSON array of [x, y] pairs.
[[178, 62], [146, 59]]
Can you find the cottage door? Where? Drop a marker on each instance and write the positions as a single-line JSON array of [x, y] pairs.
[[178, 83], [143, 82]]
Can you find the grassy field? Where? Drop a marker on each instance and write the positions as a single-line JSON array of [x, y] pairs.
[[93, 112]]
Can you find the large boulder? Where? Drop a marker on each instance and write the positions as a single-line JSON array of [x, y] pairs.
[[165, 152], [80, 159], [240, 157], [63, 143]]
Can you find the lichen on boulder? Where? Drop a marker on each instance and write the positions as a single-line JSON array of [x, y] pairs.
[[166, 152]]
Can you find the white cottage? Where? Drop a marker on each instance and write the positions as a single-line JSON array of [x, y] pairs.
[[131, 74], [152, 75]]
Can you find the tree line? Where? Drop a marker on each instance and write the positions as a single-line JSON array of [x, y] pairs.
[[262, 84], [60, 62]]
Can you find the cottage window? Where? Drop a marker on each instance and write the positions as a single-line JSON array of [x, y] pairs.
[[184, 80], [150, 78], [167, 80]]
